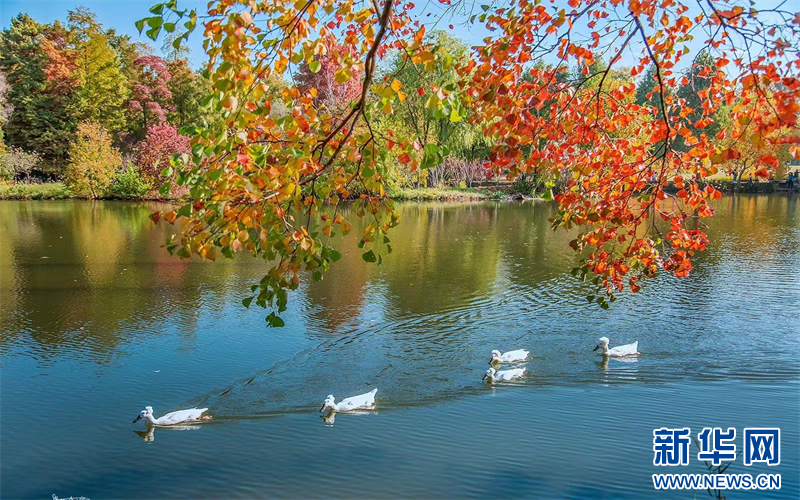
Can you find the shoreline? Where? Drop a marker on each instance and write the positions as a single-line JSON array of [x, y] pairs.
[[59, 191]]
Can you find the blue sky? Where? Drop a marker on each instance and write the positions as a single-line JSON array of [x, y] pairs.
[[120, 15]]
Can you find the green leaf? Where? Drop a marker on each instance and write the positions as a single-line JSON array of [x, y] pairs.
[[157, 8], [335, 255], [246, 302], [155, 22], [317, 275], [274, 320], [185, 211], [224, 85], [169, 27], [315, 66], [369, 256], [140, 25]]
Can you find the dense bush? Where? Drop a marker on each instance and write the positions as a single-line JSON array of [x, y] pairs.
[[16, 163], [93, 162], [6, 174], [130, 185], [153, 153]]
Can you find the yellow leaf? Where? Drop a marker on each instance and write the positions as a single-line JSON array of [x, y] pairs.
[[756, 140], [342, 75]]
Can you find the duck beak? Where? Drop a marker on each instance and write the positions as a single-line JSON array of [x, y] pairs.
[[137, 419], [596, 348], [484, 376], [323, 407]]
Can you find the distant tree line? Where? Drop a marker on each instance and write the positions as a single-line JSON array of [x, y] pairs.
[[82, 103]]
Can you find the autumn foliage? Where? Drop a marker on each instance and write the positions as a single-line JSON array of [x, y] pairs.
[[259, 182], [150, 100], [154, 152], [332, 81], [93, 161]]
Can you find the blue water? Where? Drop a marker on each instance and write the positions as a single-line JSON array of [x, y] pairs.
[[96, 321]]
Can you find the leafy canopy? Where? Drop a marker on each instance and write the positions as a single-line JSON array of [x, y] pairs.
[[258, 181]]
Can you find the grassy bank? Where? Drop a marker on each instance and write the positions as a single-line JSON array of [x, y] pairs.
[[46, 191], [442, 194], [58, 191]]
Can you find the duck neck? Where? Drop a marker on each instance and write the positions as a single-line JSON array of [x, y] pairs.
[[605, 349], [150, 419]]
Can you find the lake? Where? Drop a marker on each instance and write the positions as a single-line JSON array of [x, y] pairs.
[[98, 321]]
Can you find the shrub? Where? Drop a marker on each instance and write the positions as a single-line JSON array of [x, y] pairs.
[[15, 163], [93, 161], [130, 185], [6, 174], [154, 152], [528, 185]]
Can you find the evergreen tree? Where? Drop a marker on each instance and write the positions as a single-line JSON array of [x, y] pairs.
[[698, 79], [188, 90], [103, 88], [39, 70]]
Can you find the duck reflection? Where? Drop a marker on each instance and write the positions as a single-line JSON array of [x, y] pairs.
[[603, 363], [149, 435], [330, 417]]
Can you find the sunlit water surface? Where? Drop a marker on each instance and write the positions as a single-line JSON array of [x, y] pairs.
[[97, 321]]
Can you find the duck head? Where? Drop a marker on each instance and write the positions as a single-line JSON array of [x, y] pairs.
[[489, 374], [495, 357], [147, 412], [328, 403], [602, 345]]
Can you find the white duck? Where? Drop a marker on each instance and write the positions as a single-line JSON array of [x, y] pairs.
[[505, 375], [360, 402], [176, 417], [508, 357], [619, 351]]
